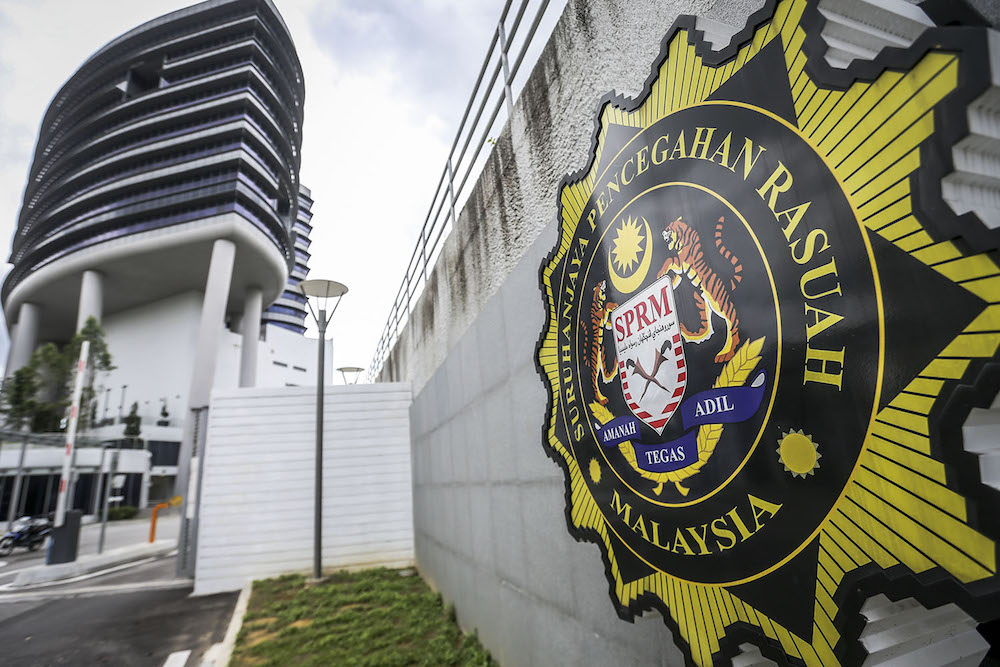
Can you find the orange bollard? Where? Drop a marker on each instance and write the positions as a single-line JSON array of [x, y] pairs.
[[152, 525]]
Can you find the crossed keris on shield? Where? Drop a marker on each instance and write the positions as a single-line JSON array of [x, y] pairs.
[[649, 338]]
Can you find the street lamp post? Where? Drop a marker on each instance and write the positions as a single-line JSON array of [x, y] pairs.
[[321, 291], [121, 403], [355, 372]]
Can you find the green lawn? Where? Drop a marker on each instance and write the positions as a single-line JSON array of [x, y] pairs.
[[372, 618]]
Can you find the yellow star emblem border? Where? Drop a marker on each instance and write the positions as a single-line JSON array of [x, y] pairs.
[[878, 525]]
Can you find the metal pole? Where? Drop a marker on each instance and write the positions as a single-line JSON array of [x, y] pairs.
[[185, 561], [23, 500], [423, 254], [71, 433], [451, 192], [101, 498], [107, 495], [318, 515], [121, 404], [74, 477], [15, 495], [98, 487], [506, 71], [407, 279], [48, 493], [197, 475]]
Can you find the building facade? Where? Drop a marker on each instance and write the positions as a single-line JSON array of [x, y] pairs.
[[164, 200], [289, 310]]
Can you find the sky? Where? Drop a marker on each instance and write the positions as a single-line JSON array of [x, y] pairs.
[[386, 84]]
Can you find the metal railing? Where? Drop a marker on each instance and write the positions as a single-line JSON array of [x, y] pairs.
[[461, 164]]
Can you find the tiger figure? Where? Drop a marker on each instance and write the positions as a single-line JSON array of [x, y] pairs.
[[711, 293], [600, 320]]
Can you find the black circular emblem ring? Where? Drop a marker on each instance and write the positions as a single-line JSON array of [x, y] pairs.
[[724, 369]]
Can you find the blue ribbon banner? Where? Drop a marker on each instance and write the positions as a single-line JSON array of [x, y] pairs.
[[728, 405]]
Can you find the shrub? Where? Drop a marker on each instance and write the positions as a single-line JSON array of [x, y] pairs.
[[122, 512]]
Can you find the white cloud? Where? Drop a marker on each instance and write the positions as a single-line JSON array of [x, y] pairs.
[[377, 132]]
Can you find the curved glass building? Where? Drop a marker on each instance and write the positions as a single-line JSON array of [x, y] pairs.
[[181, 132], [164, 200], [289, 310]]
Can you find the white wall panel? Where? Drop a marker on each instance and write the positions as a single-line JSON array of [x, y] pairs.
[[257, 494]]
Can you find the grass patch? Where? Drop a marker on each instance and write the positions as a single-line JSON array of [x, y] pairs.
[[373, 618]]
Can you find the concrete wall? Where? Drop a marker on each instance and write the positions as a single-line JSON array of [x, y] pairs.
[[257, 492], [51, 458], [285, 358], [151, 346], [489, 506]]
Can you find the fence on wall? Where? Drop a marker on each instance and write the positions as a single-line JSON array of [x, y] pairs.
[[257, 494], [488, 107]]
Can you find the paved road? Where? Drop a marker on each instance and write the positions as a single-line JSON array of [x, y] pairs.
[[119, 534], [112, 627]]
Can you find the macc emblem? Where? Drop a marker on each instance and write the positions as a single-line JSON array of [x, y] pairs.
[[646, 328], [765, 331]]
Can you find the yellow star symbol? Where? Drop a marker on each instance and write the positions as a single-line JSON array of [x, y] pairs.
[[798, 453], [628, 245]]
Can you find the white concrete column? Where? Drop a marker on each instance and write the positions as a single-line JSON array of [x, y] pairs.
[[24, 337], [91, 298], [144, 487], [251, 336], [11, 337], [213, 321]]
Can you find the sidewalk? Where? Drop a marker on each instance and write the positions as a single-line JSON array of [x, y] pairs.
[[125, 533], [124, 541], [40, 574]]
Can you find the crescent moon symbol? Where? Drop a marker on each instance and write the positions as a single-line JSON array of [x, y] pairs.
[[633, 282]]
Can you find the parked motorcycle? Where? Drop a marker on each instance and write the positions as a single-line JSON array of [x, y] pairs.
[[27, 532]]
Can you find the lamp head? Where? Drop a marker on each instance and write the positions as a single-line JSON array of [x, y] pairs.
[[322, 289], [318, 292], [353, 371]]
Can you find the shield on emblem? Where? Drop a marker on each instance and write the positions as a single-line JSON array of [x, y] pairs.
[[651, 353]]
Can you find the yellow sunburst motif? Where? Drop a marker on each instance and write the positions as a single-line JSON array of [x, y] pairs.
[[798, 453], [595, 471], [628, 245]]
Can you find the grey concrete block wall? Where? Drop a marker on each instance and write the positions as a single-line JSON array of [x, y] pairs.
[[489, 504]]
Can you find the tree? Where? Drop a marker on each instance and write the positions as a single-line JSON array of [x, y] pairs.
[[98, 359], [164, 415], [51, 398], [17, 397], [38, 394], [133, 422]]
